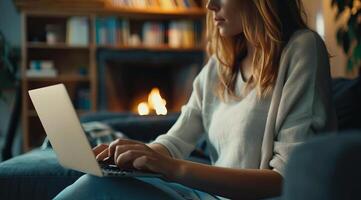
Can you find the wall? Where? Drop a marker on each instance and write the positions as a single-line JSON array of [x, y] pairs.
[[10, 22]]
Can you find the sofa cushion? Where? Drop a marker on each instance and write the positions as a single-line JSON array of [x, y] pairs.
[[36, 173], [327, 168], [347, 97], [143, 128]]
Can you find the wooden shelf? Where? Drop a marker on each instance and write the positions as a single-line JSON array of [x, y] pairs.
[[146, 48], [43, 45], [70, 8], [61, 78], [68, 59], [37, 45], [193, 12]]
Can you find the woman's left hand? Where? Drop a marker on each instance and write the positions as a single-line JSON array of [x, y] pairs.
[[139, 156]]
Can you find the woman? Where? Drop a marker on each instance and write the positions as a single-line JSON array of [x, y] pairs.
[[265, 90]]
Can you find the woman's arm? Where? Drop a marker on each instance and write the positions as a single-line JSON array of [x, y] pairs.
[[227, 182], [235, 183], [160, 149]]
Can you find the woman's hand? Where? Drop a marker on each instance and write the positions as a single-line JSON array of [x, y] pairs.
[[129, 153], [100, 148]]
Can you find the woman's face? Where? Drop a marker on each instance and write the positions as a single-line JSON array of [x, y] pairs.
[[226, 16]]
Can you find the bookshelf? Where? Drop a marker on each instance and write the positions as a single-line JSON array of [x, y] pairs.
[[77, 64], [43, 45], [145, 48]]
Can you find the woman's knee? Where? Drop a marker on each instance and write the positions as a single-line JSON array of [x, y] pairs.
[[82, 188], [92, 187]]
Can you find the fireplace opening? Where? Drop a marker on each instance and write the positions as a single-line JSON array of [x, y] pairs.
[[128, 86]]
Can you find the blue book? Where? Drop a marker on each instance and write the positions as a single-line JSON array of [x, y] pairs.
[[101, 31], [97, 26], [112, 30]]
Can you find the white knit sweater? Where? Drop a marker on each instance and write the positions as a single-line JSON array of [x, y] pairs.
[[259, 134]]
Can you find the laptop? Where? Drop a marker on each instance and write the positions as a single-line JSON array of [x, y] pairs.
[[67, 137]]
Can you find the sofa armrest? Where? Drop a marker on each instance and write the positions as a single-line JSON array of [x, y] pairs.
[[34, 175], [326, 168]]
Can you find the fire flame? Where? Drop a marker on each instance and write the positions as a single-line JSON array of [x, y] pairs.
[[155, 102], [143, 109]]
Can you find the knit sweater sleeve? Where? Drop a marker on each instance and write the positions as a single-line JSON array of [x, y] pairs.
[[305, 106], [181, 139]]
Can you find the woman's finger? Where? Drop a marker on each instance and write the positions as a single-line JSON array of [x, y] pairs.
[[147, 163], [102, 155], [115, 143], [98, 149], [141, 163], [123, 148], [129, 156]]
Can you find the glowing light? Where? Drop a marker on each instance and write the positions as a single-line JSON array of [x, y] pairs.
[[143, 109], [155, 102]]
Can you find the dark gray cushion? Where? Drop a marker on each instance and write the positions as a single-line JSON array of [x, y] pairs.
[[35, 175], [326, 168], [347, 97], [143, 128]]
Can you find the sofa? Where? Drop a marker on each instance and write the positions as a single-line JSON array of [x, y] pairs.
[[323, 168], [326, 168]]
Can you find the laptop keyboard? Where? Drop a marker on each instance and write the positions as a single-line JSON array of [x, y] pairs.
[[114, 170]]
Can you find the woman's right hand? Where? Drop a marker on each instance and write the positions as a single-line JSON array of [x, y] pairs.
[[99, 150], [101, 153], [130, 155]]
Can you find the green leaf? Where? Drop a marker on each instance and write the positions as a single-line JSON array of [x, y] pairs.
[[352, 27], [350, 34], [357, 51], [349, 66], [356, 56]]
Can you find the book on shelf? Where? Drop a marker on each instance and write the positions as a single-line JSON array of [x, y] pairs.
[[83, 101], [41, 69], [182, 34], [123, 32], [112, 31], [167, 4], [111, 24], [77, 31], [101, 31], [153, 34]]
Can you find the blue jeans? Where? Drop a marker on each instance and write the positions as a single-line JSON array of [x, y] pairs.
[[92, 187]]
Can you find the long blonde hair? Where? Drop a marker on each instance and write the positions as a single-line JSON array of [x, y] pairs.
[[267, 25]]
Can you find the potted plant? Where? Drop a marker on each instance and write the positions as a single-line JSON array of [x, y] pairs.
[[349, 35], [8, 80], [8, 66]]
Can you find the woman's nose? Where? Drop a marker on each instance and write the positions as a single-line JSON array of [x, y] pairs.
[[213, 5]]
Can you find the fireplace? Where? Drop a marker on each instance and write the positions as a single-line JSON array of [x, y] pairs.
[[127, 82]]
